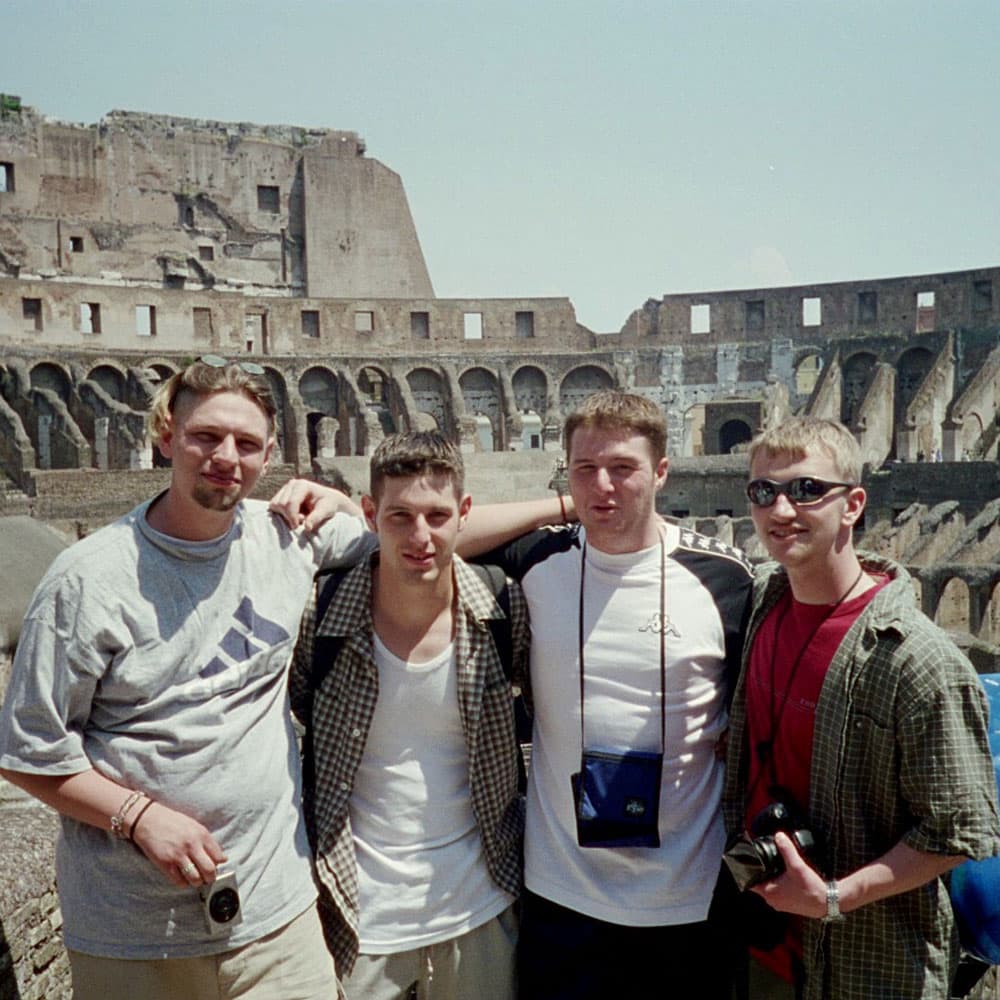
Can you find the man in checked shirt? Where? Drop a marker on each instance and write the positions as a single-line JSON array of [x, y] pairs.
[[857, 712], [415, 814]]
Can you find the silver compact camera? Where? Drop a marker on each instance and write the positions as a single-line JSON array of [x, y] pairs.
[[221, 903]]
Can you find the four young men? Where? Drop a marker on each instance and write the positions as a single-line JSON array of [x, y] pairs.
[[156, 647]]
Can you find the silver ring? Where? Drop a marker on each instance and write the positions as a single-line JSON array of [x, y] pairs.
[[189, 869]]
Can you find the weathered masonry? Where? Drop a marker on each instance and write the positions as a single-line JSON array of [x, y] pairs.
[[130, 246]]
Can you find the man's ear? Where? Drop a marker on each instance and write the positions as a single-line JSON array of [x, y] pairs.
[[166, 441], [268, 452], [464, 506], [856, 500], [661, 472], [368, 508]]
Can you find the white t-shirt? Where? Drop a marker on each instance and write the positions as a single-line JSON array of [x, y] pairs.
[[707, 585], [421, 870]]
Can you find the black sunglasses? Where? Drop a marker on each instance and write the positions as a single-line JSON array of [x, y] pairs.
[[802, 491], [214, 361]]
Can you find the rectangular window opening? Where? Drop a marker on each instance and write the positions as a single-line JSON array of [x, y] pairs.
[[926, 312], [310, 323], [868, 307], [755, 314], [206, 253], [202, 323], [364, 321], [701, 318], [420, 325], [6, 177], [268, 199], [473, 326], [812, 311], [145, 321], [90, 317], [524, 324], [255, 333], [31, 310], [76, 244], [982, 296]]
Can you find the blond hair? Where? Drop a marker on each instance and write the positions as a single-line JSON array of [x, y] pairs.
[[201, 379], [797, 436]]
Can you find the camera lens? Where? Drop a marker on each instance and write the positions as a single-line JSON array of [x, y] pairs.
[[224, 905]]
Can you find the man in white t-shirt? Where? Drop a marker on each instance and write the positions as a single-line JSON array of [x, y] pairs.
[[636, 633], [411, 796]]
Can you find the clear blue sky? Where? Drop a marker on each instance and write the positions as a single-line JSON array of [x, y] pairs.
[[610, 152]]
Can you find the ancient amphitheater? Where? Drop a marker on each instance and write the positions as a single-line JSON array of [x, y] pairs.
[[129, 246]]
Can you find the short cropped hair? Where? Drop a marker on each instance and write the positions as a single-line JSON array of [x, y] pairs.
[[614, 410], [799, 435], [200, 379], [418, 453]]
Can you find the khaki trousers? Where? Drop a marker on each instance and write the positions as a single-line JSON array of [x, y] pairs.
[[291, 963], [478, 965]]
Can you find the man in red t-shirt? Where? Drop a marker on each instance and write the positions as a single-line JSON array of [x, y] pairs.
[[861, 717]]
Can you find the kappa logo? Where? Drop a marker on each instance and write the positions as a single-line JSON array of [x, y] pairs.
[[635, 808], [662, 625], [250, 634]]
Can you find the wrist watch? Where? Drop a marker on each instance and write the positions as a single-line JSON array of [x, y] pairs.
[[833, 914]]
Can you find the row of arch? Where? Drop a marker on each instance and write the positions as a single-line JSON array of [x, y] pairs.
[[327, 410], [958, 605]]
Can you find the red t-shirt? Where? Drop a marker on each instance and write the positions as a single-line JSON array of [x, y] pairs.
[[788, 662]]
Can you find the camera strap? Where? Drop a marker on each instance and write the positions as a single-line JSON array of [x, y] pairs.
[[663, 643], [765, 748]]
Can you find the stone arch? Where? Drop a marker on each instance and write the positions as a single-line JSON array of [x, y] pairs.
[[429, 397], [953, 605], [732, 434], [111, 379], [857, 373], [481, 393], [531, 388], [580, 383], [284, 418], [807, 372], [911, 370], [989, 630], [47, 375], [374, 385], [320, 393]]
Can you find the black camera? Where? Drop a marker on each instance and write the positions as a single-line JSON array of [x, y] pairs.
[[221, 903], [754, 858]]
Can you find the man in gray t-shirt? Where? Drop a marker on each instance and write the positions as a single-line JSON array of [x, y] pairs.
[[148, 705]]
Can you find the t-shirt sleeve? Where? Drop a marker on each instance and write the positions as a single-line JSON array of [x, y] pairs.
[[48, 702], [517, 557], [342, 542]]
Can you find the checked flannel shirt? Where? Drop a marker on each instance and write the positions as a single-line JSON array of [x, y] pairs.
[[342, 708], [900, 752]]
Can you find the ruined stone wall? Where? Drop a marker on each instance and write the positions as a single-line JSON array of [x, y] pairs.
[[204, 204], [810, 315]]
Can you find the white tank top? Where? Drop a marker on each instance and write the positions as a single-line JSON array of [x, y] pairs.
[[421, 869]]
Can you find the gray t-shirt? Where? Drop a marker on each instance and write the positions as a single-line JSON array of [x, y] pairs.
[[162, 664]]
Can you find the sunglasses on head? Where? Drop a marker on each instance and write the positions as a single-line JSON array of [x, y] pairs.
[[214, 361], [801, 491]]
